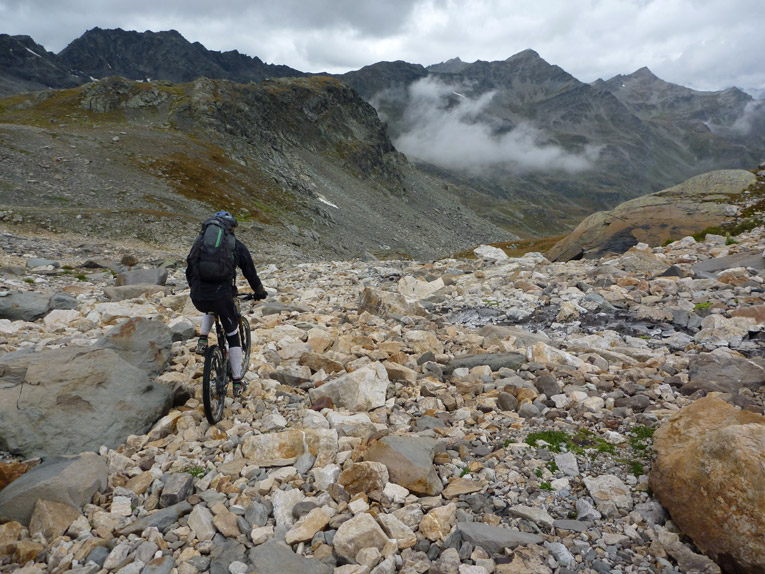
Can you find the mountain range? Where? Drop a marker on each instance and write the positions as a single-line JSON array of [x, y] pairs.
[[532, 149]]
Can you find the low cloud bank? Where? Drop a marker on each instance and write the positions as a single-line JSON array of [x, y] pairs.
[[453, 131]]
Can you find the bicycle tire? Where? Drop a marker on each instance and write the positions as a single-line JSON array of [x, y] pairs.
[[214, 384], [244, 329]]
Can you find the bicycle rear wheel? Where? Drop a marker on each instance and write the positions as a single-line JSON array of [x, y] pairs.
[[214, 384], [246, 336]]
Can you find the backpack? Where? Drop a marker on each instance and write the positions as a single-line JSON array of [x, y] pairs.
[[213, 252]]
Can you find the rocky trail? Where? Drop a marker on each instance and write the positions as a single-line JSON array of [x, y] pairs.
[[479, 416]]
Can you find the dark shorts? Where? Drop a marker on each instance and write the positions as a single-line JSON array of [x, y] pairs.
[[223, 308]]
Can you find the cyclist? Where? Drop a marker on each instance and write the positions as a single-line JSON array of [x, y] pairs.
[[217, 298]]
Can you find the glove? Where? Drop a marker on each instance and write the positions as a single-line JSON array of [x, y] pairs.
[[260, 293]]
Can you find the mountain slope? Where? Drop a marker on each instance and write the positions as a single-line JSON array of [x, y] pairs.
[[161, 55], [305, 163]]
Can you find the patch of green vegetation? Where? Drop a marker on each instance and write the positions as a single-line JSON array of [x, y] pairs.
[[703, 305], [636, 468], [586, 439], [28, 280], [465, 472], [195, 471], [545, 486], [538, 472], [553, 438], [640, 436], [552, 466], [81, 277]]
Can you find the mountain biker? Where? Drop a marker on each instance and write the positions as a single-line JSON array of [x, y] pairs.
[[217, 298]]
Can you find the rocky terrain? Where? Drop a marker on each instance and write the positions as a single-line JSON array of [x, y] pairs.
[[473, 416]]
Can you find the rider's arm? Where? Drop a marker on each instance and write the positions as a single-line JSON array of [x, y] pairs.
[[248, 269]]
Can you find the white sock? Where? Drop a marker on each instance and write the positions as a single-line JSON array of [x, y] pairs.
[[235, 355], [207, 323]]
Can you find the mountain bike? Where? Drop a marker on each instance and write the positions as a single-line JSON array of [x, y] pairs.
[[217, 370]]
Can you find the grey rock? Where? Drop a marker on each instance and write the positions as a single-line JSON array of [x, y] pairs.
[[507, 402], [70, 480], [125, 292], [144, 343], [494, 539], [36, 262], [711, 267], [63, 301], [139, 276], [566, 462], [722, 373], [494, 361], [304, 463], [99, 555], [76, 399], [177, 487], [277, 558], [572, 525], [586, 511], [547, 385], [528, 411], [257, 514], [160, 519], [182, 331], [23, 306], [161, 565], [409, 460], [225, 551]]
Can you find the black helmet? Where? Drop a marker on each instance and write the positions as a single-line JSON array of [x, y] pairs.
[[228, 218]]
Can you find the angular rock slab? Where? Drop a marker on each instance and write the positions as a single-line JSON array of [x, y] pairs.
[[69, 480], [709, 474], [410, 462], [361, 390], [284, 448], [73, 400], [22, 306], [144, 343], [494, 361], [494, 539], [277, 558]]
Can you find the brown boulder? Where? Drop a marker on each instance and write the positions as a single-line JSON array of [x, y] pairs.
[[708, 473], [670, 214]]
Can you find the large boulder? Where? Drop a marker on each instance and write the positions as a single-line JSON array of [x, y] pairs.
[[71, 480], [709, 474], [409, 460], [144, 343], [724, 371], [361, 390], [75, 399], [23, 306], [673, 213]]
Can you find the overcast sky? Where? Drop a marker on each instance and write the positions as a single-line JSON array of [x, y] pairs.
[[702, 44]]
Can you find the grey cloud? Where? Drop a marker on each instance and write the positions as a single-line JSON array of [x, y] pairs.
[[454, 135]]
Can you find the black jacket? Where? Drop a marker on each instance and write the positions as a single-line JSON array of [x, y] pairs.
[[210, 291]]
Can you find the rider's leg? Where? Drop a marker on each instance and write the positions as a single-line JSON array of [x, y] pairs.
[[235, 355], [208, 320]]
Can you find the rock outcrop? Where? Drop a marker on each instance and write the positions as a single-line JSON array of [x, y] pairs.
[[654, 219]]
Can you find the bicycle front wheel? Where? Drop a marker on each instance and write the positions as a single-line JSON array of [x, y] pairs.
[[244, 331], [214, 384]]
